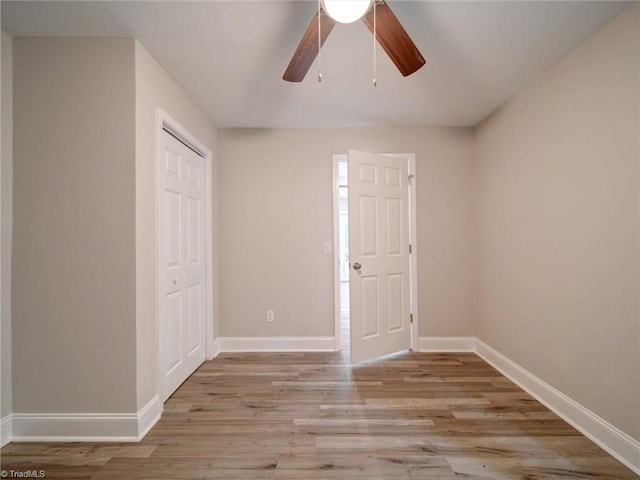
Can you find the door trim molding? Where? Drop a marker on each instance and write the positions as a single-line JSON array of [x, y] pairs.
[[413, 239], [336, 159], [165, 121]]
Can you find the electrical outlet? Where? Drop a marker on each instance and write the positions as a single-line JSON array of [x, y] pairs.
[[270, 316]]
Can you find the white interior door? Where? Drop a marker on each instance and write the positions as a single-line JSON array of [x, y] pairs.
[[379, 255], [182, 263]]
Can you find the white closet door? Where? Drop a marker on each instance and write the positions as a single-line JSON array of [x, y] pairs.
[[182, 261]]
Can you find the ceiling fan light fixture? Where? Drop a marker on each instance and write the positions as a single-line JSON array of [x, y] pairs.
[[346, 11]]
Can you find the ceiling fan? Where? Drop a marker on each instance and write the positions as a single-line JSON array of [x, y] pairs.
[[376, 15]]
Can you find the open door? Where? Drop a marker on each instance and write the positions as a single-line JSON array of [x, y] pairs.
[[379, 255]]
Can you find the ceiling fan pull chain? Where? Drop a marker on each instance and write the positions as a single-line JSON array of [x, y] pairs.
[[375, 41], [319, 43]]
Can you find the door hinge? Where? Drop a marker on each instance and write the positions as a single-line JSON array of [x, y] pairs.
[[410, 178], [410, 249], [411, 318]]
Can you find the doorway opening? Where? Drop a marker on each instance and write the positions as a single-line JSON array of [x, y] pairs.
[[343, 252]]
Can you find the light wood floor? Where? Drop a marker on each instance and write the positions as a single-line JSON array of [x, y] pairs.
[[311, 416]]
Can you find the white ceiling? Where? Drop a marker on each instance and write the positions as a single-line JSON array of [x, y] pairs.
[[230, 55]]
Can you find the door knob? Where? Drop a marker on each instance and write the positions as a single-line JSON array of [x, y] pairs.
[[357, 267]]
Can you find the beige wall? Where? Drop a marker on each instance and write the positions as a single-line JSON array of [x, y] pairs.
[[557, 224], [74, 226], [6, 174], [275, 213], [85, 222], [154, 88]]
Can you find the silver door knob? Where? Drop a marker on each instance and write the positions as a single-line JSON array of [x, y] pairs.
[[357, 267]]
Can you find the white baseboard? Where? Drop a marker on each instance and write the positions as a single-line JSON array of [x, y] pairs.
[[85, 427], [276, 344], [210, 353], [76, 427], [148, 416], [6, 425], [615, 442], [446, 344], [215, 349]]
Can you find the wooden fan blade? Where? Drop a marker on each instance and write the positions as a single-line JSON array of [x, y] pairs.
[[394, 39], [306, 52]]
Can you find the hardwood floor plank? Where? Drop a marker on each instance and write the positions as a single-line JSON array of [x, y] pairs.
[[312, 416], [534, 468]]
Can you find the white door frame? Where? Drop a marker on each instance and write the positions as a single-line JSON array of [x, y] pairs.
[[165, 122], [413, 258]]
